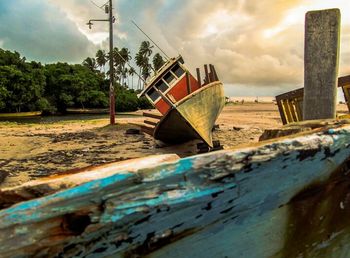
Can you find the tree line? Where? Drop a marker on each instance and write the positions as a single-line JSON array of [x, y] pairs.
[[53, 88], [123, 73]]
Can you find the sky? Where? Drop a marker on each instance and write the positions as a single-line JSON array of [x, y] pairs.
[[257, 46]]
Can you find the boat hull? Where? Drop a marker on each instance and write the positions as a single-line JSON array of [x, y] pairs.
[[193, 117], [284, 198]]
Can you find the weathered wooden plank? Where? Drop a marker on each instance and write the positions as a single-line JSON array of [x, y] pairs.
[[152, 115], [149, 122], [206, 72], [147, 129], [213, 205], [344, 81], [293, 110], [188, 83], [322, 39], [286, 112], [211, 73], [199, 77], [46, 186], [298, 93]]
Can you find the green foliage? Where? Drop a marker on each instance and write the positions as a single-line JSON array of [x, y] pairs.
[[30, 86], [20, 87], [90, 63], [74, 86], [144, 103], [127, 100], [101, 59], [142, 60]]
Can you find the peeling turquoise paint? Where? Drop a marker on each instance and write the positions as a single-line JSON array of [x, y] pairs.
[[31, 211]]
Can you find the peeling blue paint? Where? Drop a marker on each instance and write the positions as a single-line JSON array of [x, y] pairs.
[[30, 211]]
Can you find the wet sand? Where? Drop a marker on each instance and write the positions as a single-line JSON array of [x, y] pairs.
[[32, 150]]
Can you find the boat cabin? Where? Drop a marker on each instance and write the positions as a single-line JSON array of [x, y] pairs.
[[171, 83]]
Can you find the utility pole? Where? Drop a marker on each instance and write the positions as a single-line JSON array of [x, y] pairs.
[[111, 69], [111, 20]]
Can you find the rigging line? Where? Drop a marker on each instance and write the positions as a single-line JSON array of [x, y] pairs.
[[105, 4], [167, 57], [130, 66]]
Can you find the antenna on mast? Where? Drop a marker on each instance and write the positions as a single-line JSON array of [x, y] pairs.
[[166, 56]]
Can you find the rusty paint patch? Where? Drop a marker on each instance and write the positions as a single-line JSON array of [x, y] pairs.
[[319, 217]]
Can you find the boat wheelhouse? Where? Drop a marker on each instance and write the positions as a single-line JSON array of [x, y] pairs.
[[171, 84]]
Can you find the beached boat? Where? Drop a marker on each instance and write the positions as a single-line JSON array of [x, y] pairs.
[[20, 114], [188, 108], [286, 197]]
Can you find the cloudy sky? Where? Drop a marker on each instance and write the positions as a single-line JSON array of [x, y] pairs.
[[256, 45]]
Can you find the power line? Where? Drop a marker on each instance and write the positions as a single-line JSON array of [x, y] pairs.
[[99, 7]]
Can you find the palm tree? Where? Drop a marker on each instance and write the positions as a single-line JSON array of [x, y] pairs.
[[90, 63], [119, 73], [146, 48], [142, 60], [132, 73], [117, 64], [125, 57], [101, 59], [124, 75], [146, 69], [139, 62], [157, 61]]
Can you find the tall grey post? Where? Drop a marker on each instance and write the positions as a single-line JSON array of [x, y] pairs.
[[322, 40]]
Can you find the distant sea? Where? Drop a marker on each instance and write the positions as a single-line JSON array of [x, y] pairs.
[[269, 99], [252, 99]]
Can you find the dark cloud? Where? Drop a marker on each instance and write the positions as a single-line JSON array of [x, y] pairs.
[[41, 32]]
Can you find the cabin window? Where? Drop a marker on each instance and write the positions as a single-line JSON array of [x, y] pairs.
[[161, 85], [153, 94], [169, 78], [178, 71]]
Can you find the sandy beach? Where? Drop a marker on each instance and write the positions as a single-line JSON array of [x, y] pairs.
[[33, 150]]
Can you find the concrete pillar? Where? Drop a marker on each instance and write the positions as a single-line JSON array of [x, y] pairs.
[[322, 40]]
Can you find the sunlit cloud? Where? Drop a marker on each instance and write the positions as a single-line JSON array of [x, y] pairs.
[[97, 37]]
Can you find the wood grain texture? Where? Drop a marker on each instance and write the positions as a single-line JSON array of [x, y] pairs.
[[322, 41], [46, 186], [279, 199]]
